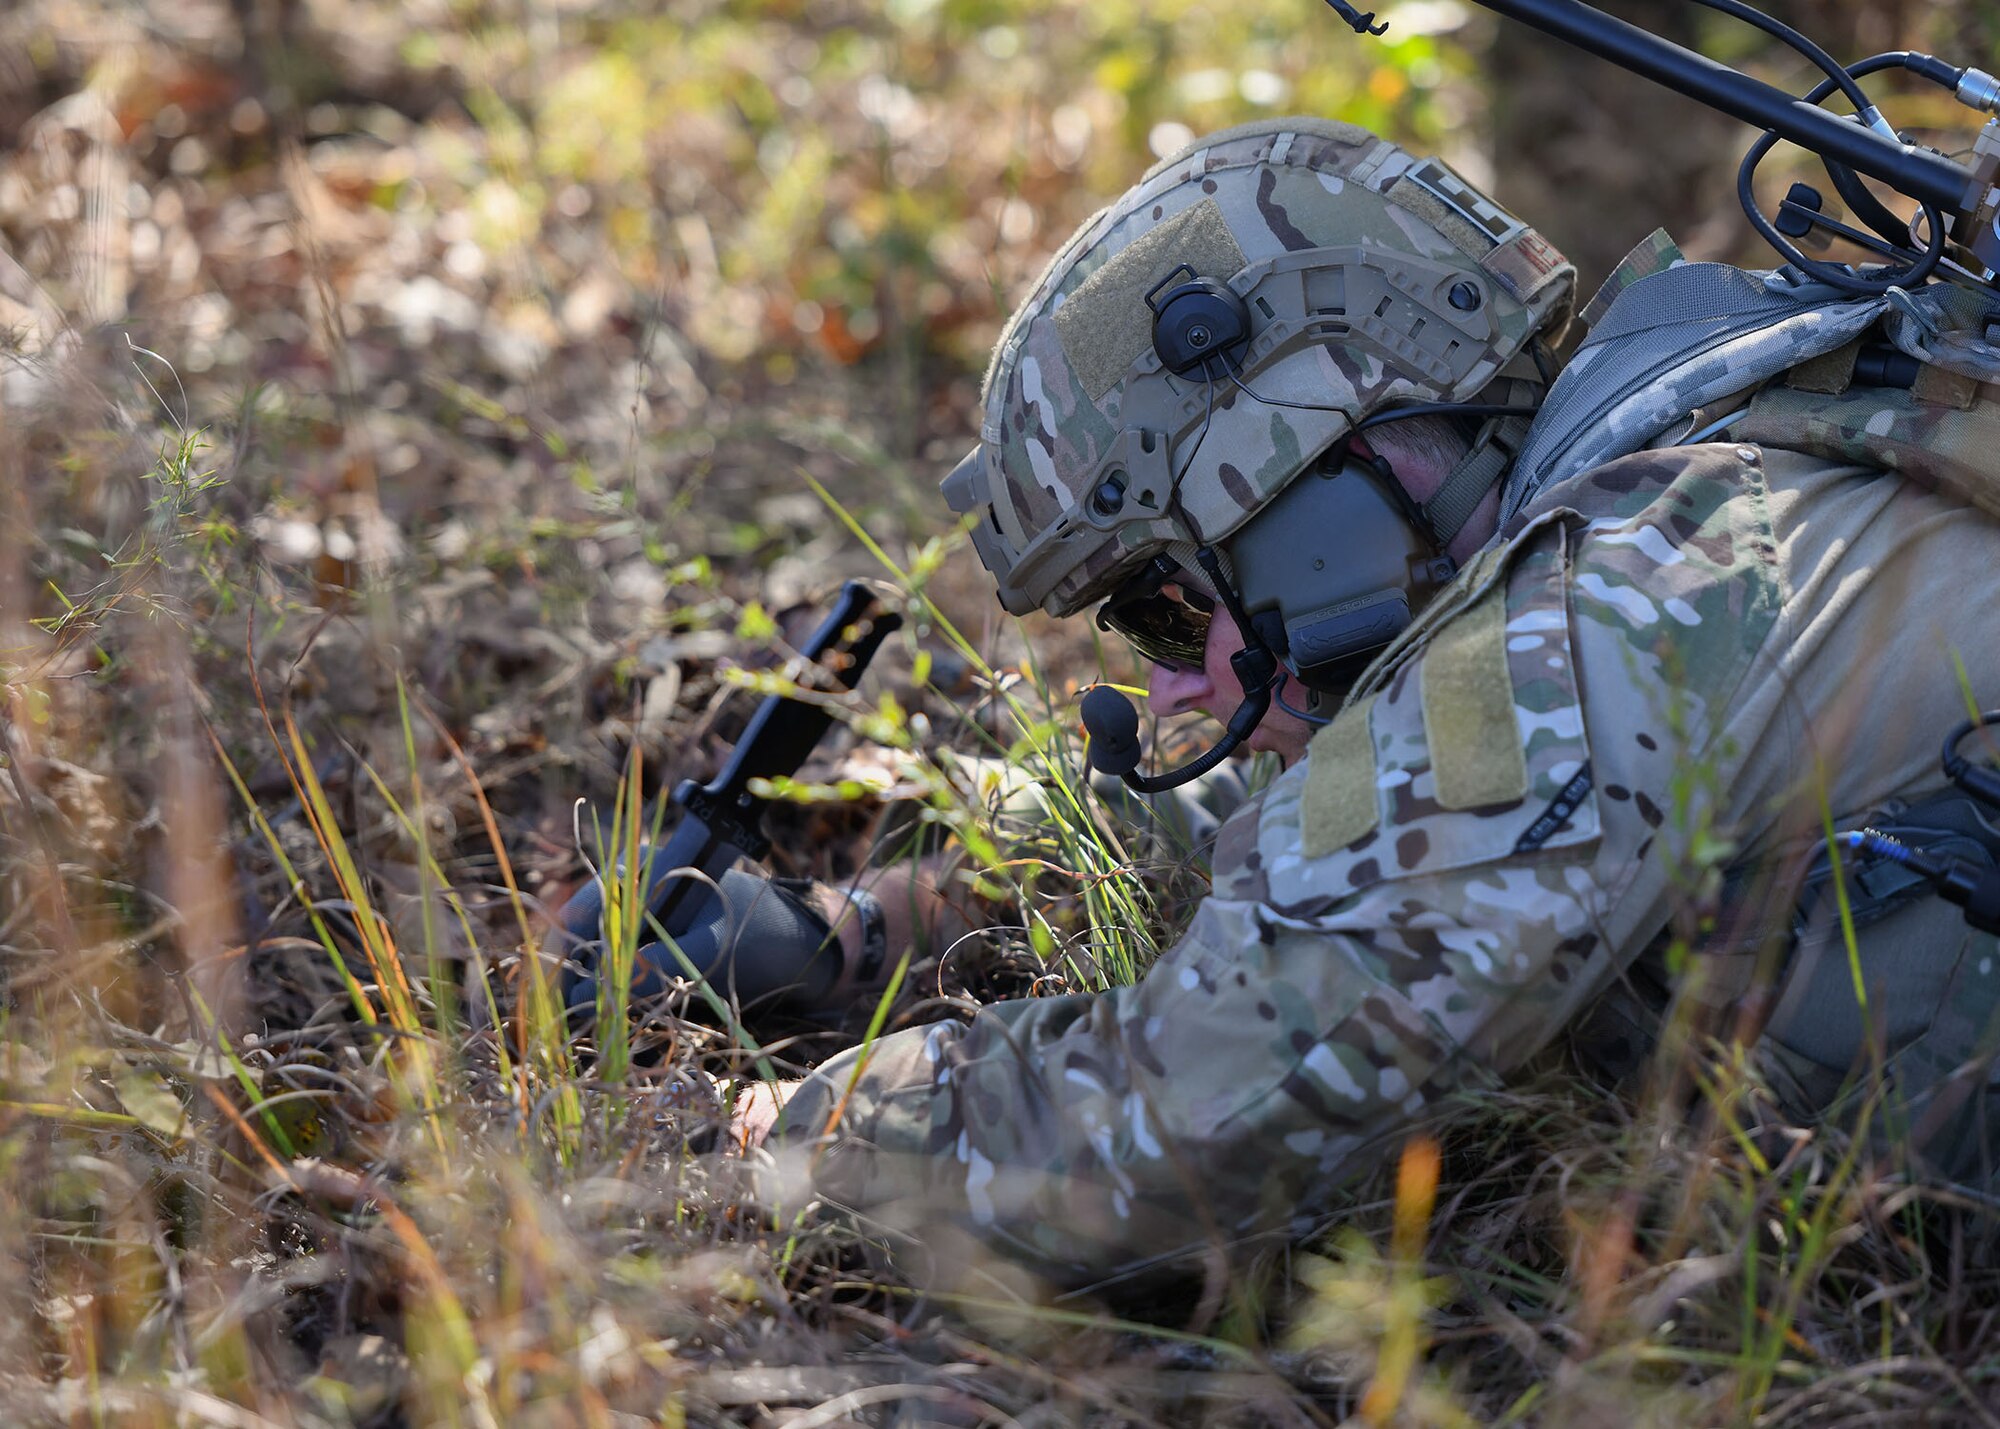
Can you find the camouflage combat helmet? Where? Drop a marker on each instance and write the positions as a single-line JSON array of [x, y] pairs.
[[1369, 278]]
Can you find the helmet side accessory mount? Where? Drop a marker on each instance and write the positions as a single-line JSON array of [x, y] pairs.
[[1198, 323], [1308, 608]]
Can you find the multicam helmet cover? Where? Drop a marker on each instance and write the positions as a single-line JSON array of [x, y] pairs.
[[1371, 277]]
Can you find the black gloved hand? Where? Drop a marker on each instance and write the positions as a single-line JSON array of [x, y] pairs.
[[758, 943]]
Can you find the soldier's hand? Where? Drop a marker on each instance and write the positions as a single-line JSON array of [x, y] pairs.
[[758, 1107]]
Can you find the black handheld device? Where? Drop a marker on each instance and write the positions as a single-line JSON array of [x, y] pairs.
[[722, 820]]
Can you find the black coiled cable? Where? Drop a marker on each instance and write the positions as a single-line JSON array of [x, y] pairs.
[[1835, 275]]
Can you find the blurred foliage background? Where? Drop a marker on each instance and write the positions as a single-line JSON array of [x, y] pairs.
[[636, 224], [521, 320]]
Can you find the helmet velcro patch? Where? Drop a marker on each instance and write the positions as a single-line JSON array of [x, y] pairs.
[[1470, 240], [1105, 325], [1454, 208]]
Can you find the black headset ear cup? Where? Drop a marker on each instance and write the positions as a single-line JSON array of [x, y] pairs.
[[1197, 322]]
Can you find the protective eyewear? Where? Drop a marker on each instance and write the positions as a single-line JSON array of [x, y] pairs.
[[1163, 616]]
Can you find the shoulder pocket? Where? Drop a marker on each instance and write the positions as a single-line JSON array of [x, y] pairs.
[[1472, 750]]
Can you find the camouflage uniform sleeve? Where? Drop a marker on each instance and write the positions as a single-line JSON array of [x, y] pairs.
[[1467, 855]]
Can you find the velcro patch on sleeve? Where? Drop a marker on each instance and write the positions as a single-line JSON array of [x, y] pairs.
[[1340, 804], [1105, 325], [1941, 387], [1469, 723]]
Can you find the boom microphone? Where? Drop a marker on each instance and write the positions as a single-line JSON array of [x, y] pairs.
[[1114, 731], [1113, 725]]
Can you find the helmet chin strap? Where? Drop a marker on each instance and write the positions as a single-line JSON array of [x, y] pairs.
[[1477, 473], [1113, 722]]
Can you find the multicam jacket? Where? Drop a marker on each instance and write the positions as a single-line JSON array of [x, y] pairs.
[[1661, 667]]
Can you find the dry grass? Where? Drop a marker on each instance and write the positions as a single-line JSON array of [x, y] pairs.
[[488, 352]]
